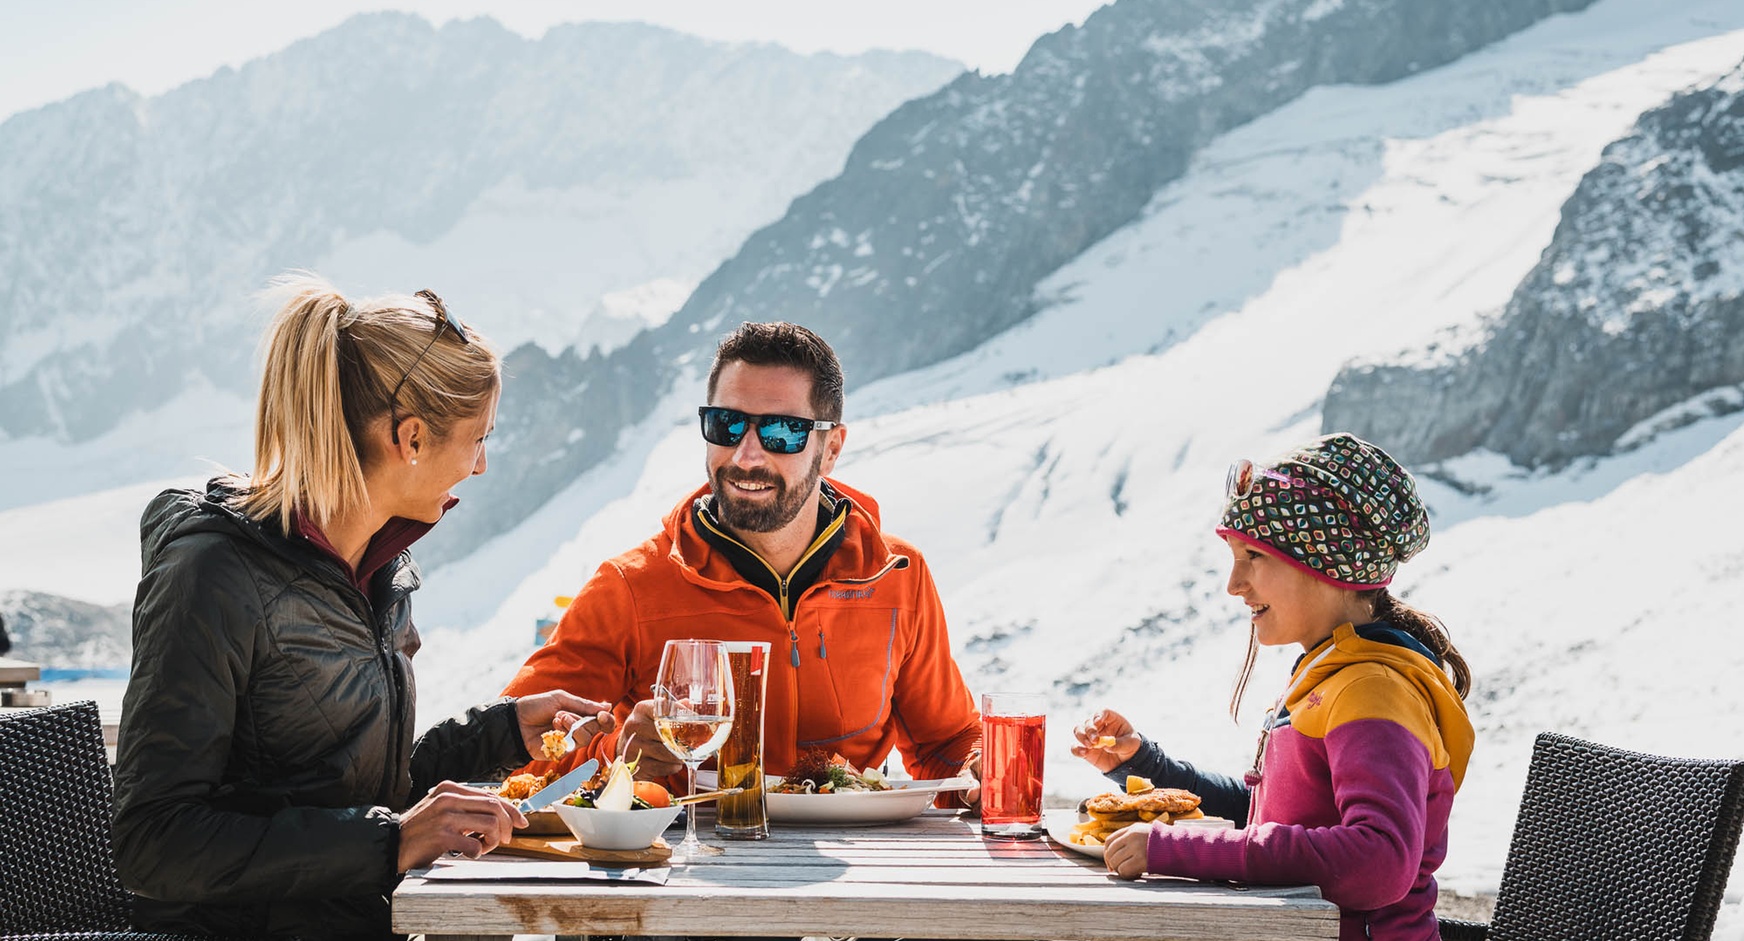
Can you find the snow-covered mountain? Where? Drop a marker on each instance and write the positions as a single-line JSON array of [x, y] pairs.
[[932, 239], [1631, 324], [71, 635], [1063, 477], [568, 190]]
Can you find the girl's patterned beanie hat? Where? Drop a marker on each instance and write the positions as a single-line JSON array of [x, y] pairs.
[[1338, 507]]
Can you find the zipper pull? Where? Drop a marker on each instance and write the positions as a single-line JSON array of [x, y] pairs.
[[823, 653], [793, 645]]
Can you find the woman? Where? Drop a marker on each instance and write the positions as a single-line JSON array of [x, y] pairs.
[[267, 781], [1368, 741]]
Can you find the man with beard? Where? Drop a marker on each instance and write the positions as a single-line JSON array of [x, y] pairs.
[[771, 549]]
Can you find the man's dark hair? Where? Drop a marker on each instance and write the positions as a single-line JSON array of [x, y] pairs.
[[785, 344]]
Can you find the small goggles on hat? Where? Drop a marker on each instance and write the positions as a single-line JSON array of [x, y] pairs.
[[1243, 473], [778, 434]]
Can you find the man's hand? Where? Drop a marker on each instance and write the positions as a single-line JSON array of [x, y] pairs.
[[641, 742], [1106, 740], [972, 770], [1128, 851], [559, 710], [454, 818]]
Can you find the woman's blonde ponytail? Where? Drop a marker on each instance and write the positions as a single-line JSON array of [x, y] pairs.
[[305, 457], [332, 367]]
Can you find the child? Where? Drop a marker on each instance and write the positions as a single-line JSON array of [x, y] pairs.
[[1361, 755]]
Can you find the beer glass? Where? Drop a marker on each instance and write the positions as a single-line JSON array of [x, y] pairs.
[[740, 761], [693, 711], [1013, 731]]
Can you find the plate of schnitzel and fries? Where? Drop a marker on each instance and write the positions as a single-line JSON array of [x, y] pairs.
[[1086, 829]]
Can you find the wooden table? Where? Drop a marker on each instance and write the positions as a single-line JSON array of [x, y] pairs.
[[932, 877]]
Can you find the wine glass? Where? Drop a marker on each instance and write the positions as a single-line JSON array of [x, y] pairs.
[[693, 711]]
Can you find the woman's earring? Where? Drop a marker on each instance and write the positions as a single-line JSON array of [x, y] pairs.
[[414, 462]]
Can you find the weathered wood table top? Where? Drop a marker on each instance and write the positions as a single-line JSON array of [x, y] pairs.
[[931, 877]]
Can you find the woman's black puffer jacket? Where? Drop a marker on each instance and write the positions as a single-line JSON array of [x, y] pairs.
[[266, 736]]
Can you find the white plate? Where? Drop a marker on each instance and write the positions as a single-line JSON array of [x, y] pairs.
[[905, 799], [1059, 821]]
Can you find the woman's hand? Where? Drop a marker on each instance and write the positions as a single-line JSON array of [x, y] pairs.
[[454, 818], [1106, 740], [1128, 851], [560, 710], [640, 742]]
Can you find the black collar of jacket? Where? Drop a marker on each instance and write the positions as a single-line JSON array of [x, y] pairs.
[[832, 505], [220, 507]]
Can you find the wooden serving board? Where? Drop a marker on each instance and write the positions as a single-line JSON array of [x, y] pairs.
[[567, 847]]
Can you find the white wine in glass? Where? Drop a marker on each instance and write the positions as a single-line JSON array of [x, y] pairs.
[[693, 710]]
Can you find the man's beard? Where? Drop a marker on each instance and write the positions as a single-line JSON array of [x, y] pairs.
[[763, 517]]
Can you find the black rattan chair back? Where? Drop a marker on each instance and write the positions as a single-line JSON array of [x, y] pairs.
[[1612, 844], [55, 803]]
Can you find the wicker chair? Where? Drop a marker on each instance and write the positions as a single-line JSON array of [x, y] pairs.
[[56, 797], [1611, 844]]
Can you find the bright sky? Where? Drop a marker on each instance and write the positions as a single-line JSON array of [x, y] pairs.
[[50, 50]]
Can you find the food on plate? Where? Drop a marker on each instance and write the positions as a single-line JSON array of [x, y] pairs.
[[523, 786], [617, 789], [652, 794], [1155, 801], [1112, 812], [553, 746], [821, 772]]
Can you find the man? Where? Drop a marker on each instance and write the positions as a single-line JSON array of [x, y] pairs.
[[772, 550]]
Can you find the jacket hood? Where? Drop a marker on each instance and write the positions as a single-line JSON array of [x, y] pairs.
[[1392, 648], [173, 514], [865, 552]]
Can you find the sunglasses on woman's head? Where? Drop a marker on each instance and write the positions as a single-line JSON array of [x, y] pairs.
[[1243, 474], [443, 319], [778, 434]]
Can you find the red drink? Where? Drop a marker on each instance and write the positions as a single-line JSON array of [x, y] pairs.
[[1013, 732]]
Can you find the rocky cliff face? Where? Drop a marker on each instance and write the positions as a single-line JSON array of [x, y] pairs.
[[951, 209], [1635, 310]]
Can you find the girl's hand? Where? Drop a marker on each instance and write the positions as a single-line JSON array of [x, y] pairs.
[[1128, 851], [1106, 740]]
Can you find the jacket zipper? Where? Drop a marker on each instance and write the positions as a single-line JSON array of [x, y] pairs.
[[784, 601], [396, 691]]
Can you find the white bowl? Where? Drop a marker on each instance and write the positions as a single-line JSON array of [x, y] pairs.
[[616, 829]]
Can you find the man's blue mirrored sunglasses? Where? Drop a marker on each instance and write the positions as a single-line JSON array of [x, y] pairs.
[[779, 434]]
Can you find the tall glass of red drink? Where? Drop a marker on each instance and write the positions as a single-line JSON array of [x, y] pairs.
[[1013, 732]]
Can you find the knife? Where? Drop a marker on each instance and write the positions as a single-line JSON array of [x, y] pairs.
[[558, 789]]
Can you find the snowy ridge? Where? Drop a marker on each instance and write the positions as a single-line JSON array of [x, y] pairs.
[[954, 207]]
